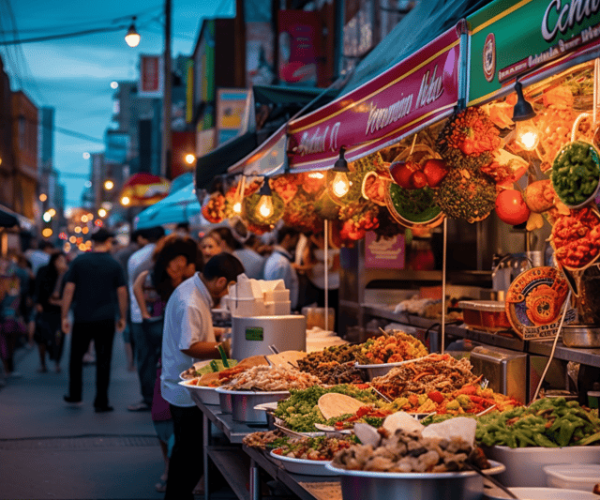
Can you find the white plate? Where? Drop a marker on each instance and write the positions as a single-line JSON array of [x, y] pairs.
[[380, 369], [305, 467], [496, 468], [543, 494], [223, 389], [279, 425], [208, 395], [329, 429]]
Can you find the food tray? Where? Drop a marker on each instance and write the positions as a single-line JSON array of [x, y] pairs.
[[243, 403], [485, 315], [524, 465], [574, 477], [305, 467], [208, 395]]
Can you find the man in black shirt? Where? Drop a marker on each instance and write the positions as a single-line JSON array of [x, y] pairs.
[[96, 285]]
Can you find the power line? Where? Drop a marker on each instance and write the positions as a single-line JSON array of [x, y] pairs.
[[63, 35]]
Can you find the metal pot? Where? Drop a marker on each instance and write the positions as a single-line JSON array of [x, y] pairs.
[[581, 336], [359, 485]]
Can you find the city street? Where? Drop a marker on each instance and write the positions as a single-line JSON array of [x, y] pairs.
[[50, 450]]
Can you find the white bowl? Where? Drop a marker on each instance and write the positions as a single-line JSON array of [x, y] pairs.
[[573, 477], [524, 465], [305, 467], [208, 395], [543, 494], [381, 369]]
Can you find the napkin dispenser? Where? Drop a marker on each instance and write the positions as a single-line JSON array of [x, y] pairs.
[[505, 370]]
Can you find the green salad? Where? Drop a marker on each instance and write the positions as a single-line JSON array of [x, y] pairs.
[[300, 411]]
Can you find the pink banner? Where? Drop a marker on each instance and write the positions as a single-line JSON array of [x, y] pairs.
[[387, 253], [421, 89]]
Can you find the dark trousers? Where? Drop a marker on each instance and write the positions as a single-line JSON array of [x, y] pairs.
[[103, 334], [147, 342], [186, 463]]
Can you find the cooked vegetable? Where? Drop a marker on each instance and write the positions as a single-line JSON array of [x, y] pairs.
[[575, 173], [576, 238]]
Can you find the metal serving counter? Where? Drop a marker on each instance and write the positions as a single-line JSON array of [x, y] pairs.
[[241, 466]]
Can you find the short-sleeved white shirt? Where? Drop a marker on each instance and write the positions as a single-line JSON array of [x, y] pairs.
[[187, 320]]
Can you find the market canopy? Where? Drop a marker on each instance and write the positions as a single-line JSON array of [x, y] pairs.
[[178, 207], [219, 160]]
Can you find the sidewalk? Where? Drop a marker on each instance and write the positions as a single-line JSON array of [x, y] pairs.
[[49, 450]]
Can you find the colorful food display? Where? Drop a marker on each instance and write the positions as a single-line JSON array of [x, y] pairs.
[[271, 378]]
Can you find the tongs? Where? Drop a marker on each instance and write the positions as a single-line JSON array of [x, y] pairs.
[[495, 482]]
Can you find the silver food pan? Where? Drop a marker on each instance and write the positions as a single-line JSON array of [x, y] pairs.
[[581, 336], [243, 403]]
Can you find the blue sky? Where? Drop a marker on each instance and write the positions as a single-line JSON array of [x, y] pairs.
[[73, 75]]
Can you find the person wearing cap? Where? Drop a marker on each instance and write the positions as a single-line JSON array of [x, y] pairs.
[[96, 285]]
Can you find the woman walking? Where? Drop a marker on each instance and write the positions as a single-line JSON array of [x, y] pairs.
[[48, 292]]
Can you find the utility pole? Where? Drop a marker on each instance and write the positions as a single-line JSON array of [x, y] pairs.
[[165, 167]]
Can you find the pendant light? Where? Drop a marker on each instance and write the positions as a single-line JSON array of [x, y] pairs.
[[132, 37], [339, 185], [264, 207], [523, 110]]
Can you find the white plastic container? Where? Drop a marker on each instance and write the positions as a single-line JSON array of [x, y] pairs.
[[524, 465], [277, 295], [573, 476], [246, 307], [278, 308]]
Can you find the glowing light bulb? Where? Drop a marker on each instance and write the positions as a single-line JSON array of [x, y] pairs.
[[527, 136], [125, 201], [265, 206], [108, 184], [340, 184], [237, 207]]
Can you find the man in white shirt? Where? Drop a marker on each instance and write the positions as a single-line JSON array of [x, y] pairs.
[[279, 264], [145, 354], [188, 337]]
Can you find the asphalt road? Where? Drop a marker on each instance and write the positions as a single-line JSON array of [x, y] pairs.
[[49, 450]]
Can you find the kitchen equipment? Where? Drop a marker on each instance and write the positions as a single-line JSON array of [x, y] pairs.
[[243, 403], [505, 370], [581, 336], [524, 466], [360, 485], [252, 336], [573, 477], [486, 315]]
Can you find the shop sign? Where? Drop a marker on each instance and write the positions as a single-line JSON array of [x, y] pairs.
[[511, 38], [151, 76], [387, 253], [419, 90]]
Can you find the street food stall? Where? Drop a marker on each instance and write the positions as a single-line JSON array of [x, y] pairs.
[[461, 185]]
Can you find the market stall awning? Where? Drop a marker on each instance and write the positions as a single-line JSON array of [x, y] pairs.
[[218, 161], [8, 218], [178, 207], [530, 40], [420, 90], [285, 95]]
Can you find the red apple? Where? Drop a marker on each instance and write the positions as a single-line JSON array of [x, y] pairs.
[[402, 173], [435, 171], [418, 179]]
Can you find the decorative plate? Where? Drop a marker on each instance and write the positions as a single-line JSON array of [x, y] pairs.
[[413, 207]]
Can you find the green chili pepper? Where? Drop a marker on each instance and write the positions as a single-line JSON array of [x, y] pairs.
[[542, 440]]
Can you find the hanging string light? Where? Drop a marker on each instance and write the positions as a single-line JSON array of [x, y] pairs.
[[264, 207], [237, 204], [339, 185], [132, 38], [527, 136]]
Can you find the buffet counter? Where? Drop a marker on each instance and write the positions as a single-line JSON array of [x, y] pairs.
[[241, 470], [589, 357]]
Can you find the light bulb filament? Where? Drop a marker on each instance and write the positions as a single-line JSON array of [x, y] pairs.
[[265, 206], [340, 184]]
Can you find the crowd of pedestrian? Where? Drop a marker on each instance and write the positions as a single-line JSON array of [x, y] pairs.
[[157, 291]]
